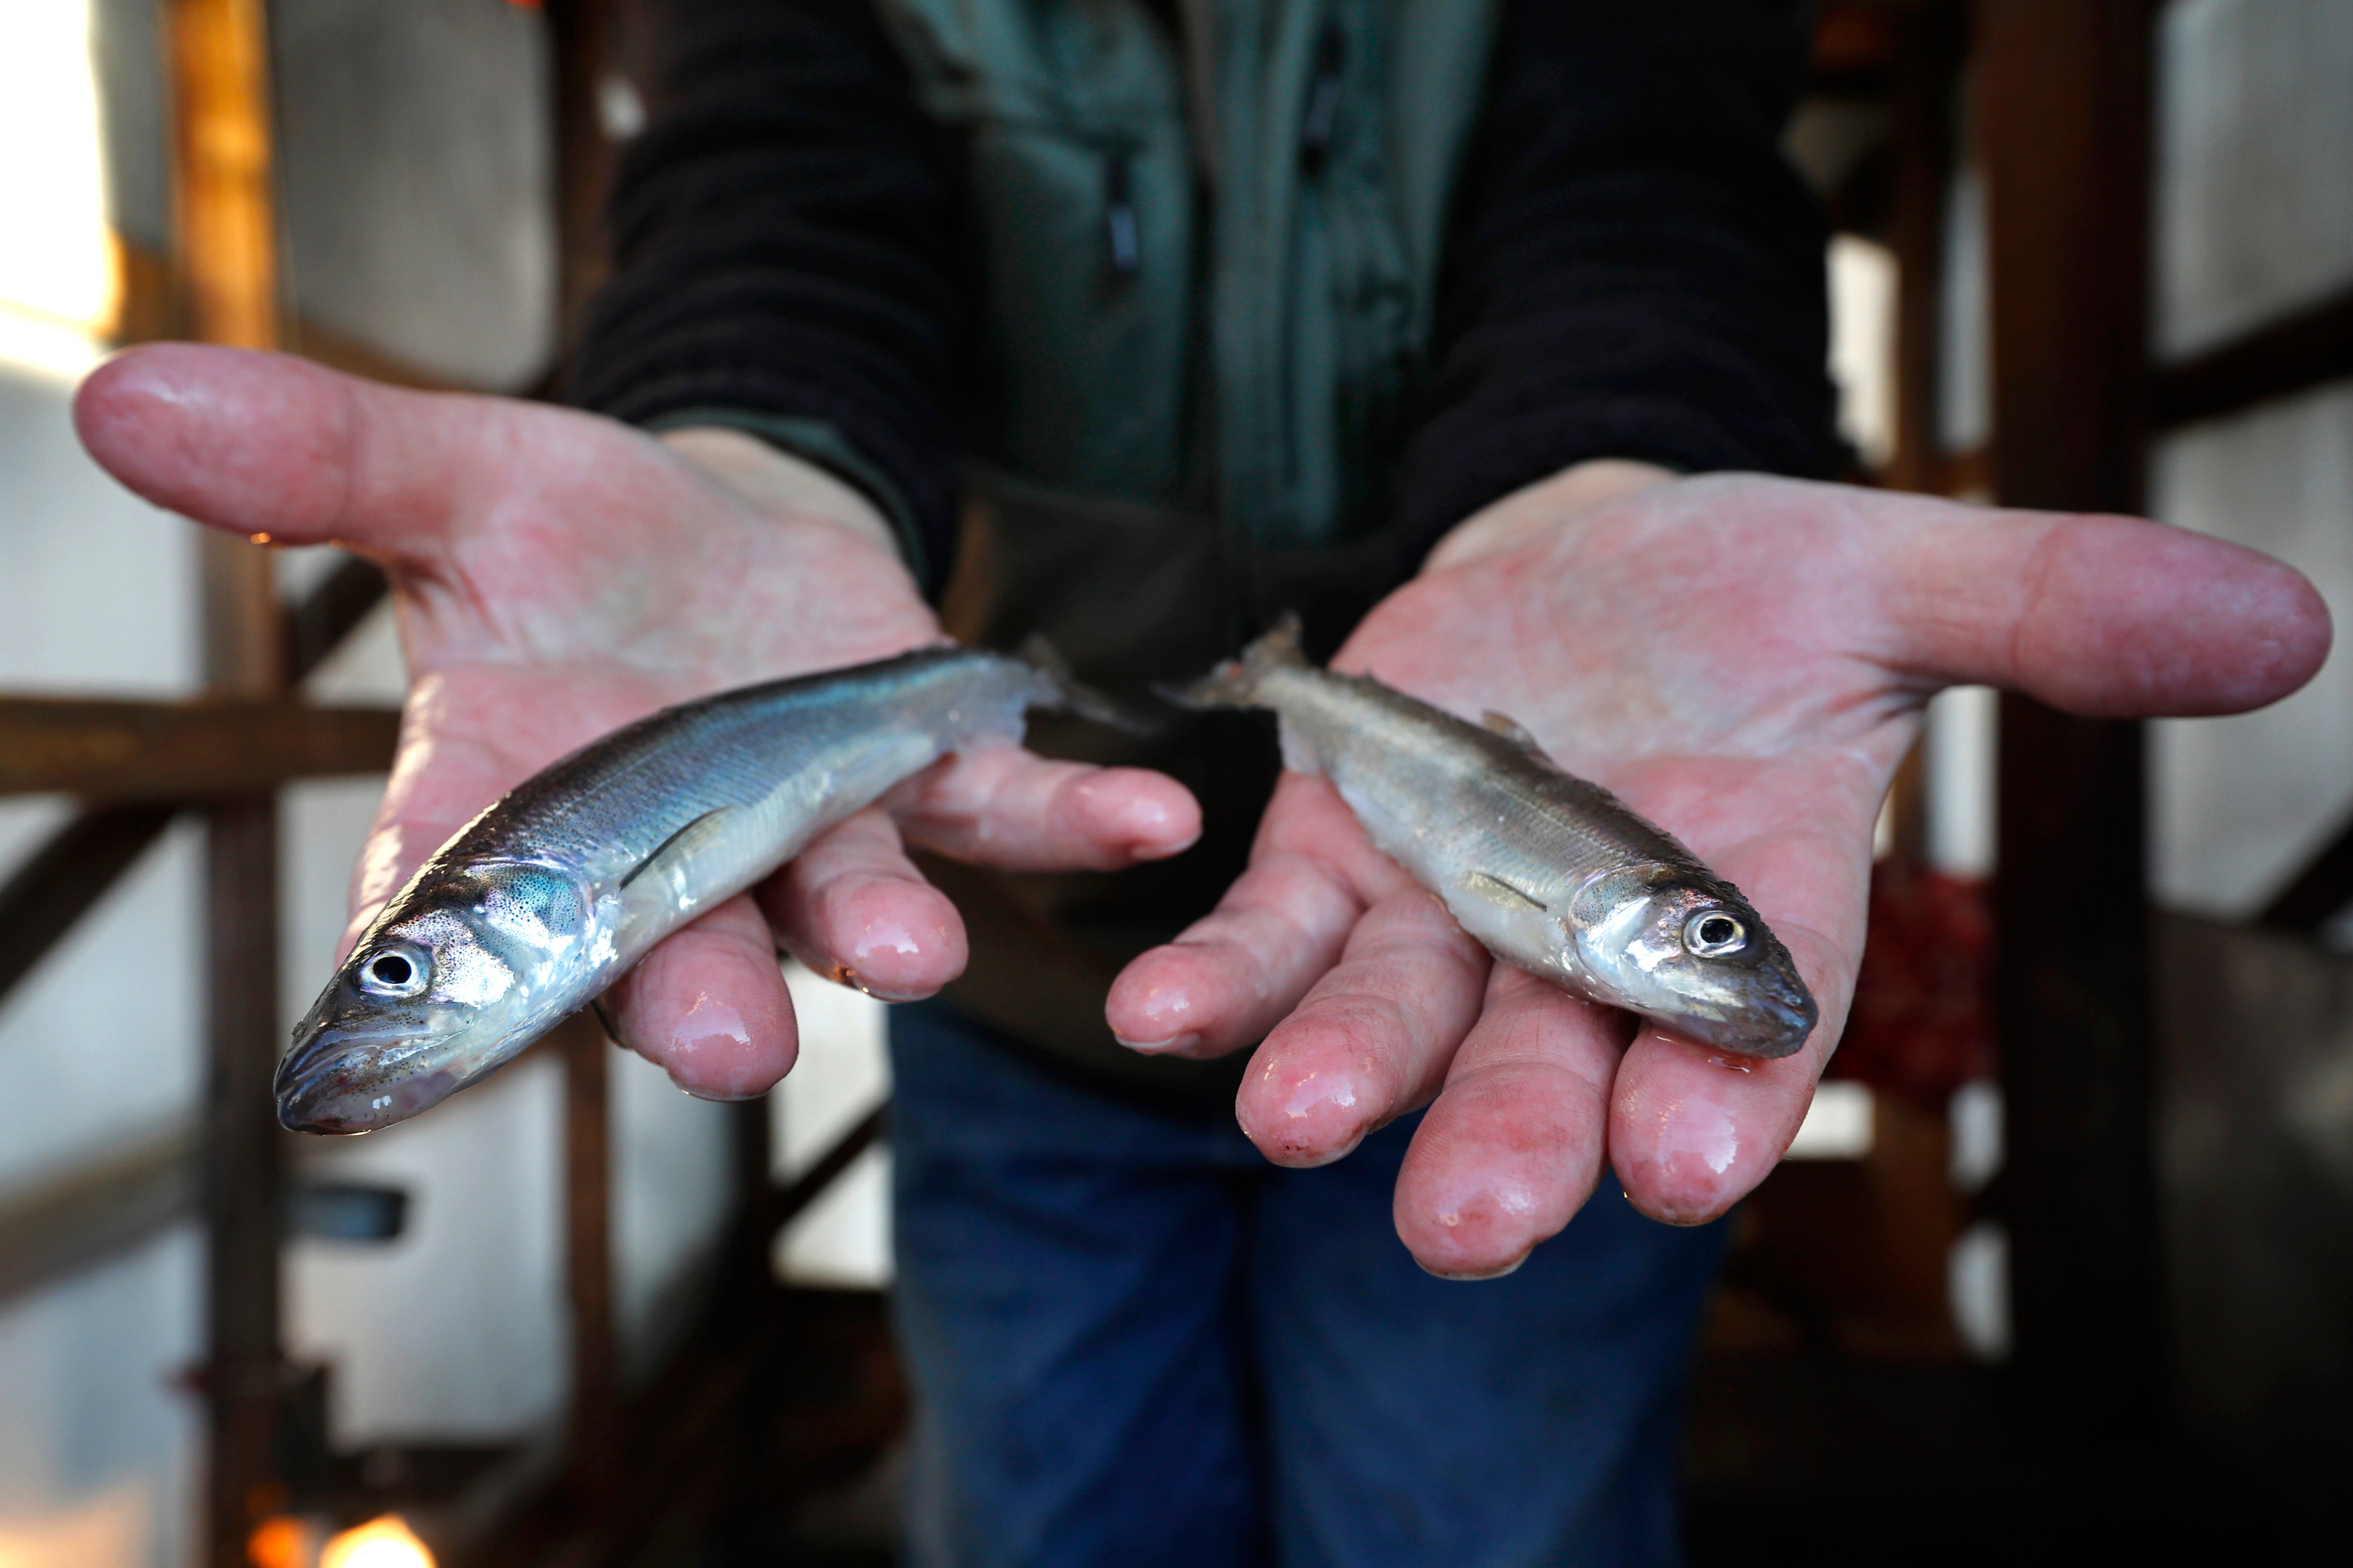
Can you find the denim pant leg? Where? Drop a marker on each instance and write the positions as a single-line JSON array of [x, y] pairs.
[[1133, 1342], [1534, 1419], [1067, 1305]]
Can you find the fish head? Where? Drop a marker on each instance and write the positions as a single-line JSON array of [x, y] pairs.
[[461, 971], [1682, 947]]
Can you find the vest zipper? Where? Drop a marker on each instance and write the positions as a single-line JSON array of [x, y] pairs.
[[1318, 125], [1123, 243]]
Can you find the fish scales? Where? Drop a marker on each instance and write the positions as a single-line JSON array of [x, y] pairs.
[[1473, 786], [1547, 870], [617, 799], [553, 892]]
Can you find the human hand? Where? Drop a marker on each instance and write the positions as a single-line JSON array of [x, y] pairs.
[[1744, 661], [556, 575]]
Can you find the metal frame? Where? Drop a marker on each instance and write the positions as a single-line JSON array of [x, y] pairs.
[[136, 767]]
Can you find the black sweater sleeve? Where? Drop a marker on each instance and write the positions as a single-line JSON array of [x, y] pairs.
[[1631, 269], [785, 248]]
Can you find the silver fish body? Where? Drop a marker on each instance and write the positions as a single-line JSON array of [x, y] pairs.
[[553, 892], [1549, 872]]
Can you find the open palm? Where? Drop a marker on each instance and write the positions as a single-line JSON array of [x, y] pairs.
[[557, 575], [1744, 661]]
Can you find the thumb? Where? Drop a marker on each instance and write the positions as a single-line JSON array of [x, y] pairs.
[[2107, 616], [267, 443]]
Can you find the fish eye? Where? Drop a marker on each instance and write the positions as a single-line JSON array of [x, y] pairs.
[[1712, 934], [394, 972]]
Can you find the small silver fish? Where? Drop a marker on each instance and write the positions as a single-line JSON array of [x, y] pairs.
[[1549, 872], [551, 894]]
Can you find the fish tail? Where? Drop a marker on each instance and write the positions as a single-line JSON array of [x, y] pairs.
[[1075, 697], [1235, 683]]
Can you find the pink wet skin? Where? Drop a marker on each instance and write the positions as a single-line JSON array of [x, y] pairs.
[[1745, 660], [556, 575]]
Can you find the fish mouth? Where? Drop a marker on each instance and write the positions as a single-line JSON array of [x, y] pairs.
[[1769, 1016], [1775, 1024], [333, 1083]]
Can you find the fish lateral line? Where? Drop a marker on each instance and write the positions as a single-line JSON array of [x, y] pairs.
[[682, 843], [1496, 886]]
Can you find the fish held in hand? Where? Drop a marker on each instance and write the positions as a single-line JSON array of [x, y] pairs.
[[1549, 872], [549, 895]]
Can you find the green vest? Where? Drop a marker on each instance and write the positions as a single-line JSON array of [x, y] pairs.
[[1200, 331], [1221, 311]]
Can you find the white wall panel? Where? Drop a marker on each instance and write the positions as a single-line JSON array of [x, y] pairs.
[[2239, 804], [413, 152], [98, 1433], [456, 1331], [2254, 163]]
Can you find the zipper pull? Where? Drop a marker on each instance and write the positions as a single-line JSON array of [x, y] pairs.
[[1323, 99], [1123, 242]]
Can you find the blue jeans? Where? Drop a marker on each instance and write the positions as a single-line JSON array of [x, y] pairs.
[[1135, 1343]]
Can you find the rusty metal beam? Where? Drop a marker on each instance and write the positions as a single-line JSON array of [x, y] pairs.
[[2306, 900], [64, 877], [316, 623], [224, 252], [1926, 70], [180, 751], [790, 1199], [2063, 114], [91, 1213], [595, 1436], [581, 35], [2291, 355], [225, 257]]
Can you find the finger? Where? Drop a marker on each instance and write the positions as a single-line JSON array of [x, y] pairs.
[[708, 1006], [1373, 1037], [269, 443], [1513, 1146], [1002, 806], [853, 908], [1694, 1129], [2101, 616], [1237, 972]]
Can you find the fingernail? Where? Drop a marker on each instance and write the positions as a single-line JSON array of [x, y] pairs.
[[842, 974], [1510, 1268], [1174, 1043], [718, 1099]]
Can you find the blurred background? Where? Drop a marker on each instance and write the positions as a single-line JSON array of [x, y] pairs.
[[2061, 1266]]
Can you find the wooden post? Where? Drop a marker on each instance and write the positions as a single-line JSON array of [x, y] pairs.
[[588, 1256], [1926, 67], [581, 33], [226, 253], [751, 1160], [2064, 117]]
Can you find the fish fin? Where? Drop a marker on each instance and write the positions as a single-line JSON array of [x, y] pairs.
[[682, 843], [1503, 892], [1234, 684], [1511, 729], [1075, 697]]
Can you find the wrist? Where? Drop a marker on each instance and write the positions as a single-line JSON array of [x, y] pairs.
[[779, 484], [1533, 509]]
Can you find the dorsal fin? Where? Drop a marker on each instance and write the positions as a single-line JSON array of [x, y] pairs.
[[1511, 729], [1500, 891], [682, 845], [1234, 684]]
